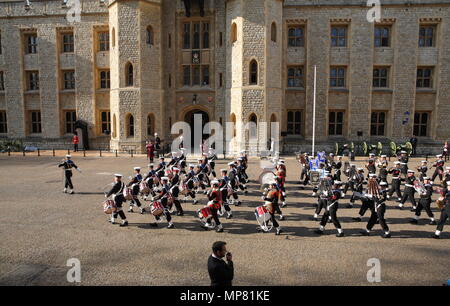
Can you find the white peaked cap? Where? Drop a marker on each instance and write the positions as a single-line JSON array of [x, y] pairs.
[[137, 168], [68, 156], [118, 175]]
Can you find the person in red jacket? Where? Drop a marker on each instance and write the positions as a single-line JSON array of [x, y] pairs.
[[75, 141], [150, 151]]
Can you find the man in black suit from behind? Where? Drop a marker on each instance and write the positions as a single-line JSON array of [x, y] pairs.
[[220, 272]]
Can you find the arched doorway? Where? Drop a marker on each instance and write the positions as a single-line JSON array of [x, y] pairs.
[[190, 118]]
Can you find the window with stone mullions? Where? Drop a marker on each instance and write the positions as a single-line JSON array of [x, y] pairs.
[[196, 75], [31, 41], [196, 35], [3, 122], [424, 78], [426, 36], [103, 41], [339, 36], [421, 124], [33, 80], [36, 127], [294, 121], [295, 77], [382, 34], [377, 123], [380, 77], [70, 119], [69, 80], [296, 36], [337, 77], [105, 82], [106, 121], [68, 44], [336, 123]]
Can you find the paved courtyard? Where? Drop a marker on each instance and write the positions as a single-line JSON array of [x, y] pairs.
[[42, 228]]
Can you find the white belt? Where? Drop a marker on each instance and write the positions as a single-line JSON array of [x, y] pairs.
[[395, 178], [408, 185]]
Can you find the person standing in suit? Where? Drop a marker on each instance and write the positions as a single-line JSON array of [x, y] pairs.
[[220, 272]]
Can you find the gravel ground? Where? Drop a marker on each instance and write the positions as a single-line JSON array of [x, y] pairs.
[[42, 228]]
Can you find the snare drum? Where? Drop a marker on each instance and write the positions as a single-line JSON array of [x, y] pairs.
[[109, 207], [205, 213], [263, 217], [127, 194], [144, 188], [157, 209]]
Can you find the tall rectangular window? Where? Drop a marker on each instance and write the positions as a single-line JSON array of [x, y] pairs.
[[336, 123], [35, 121], [421, 122], [103, 41], [294, 122], [196, 36], [3, 123], [424, 77], [295, 77], [381, 77], [382, 36], [70, 119], [67, 43], [187, 75], [296, 36], [69, 79], [1, 43], [378, 123], [427, 34], [337, 77], [32, 80], [339, 36], [106, 121], [31, 43], [105, 80], [205, 75], [2, 81], [205, 35], [195, 75], [186, 36]]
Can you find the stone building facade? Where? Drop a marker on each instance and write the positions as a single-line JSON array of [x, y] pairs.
[[130, 68]]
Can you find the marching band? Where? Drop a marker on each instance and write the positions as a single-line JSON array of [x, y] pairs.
[[169, 185]]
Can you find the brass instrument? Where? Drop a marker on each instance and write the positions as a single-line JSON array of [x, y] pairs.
[[325, 187]]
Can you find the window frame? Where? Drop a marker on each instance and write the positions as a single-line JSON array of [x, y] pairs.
[[253, 73], [68, 83], [424, 38], [336, 124], [422, 79], [70, 44], [106, 122], [3, 122], [338, 37], [378, 124], [419, 125], [106, 79], [32, 77], [69, 123], [2, 80], [295, 78], [294, 122], [103, 41], [378, 79], [296, 38], [37, 123], [31, 41], [338, 77]]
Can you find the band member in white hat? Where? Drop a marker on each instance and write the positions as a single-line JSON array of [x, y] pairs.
[[439, 165], [175, 190], [271, 198], [445, 213], [214, 204], [118, 198], [408, 193], [331, 210], [377, 208], [423, 170], [163, 196], [68, 164], [134, 185], [234, 182], [425, 203], [224, 188], [395, 183]]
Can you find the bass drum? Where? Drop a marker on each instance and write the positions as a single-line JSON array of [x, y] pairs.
[[265, 179], [314, 177]]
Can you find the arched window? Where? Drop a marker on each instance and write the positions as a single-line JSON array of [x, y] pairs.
[[150, 36], [114, 131], [253, 127], [272, 127], [273, 32], [150, 125], [233, 33], [130, 126], [129, 74], [113, 37], [233, 120], [253, 72]]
